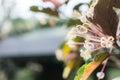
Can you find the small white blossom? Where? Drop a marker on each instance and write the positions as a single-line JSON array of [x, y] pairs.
[[86, 54], [81, 29], [70, 34], [107, 42], [74, 30], [78, 29], [100, 75], [88, 45]]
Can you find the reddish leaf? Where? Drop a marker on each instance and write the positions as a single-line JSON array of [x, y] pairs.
[[86, 70], [89, 69], [105, 16]]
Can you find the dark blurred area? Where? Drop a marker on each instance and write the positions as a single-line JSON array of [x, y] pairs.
[[30, 68], [28, 42]]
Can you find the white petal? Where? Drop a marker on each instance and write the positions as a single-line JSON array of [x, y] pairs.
[[100, 75]]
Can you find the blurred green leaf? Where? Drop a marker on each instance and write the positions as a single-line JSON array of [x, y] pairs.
[[86, 70], [78, 39], [101, 56], [45, 10], [80, 72], [113, 73], [24, 74], [73, 22], [116, 51]]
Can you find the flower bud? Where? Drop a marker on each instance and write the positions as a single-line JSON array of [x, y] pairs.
[[100, 75]]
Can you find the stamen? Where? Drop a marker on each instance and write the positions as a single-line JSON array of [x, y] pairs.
[[95, 29], [97, 49], [106, 61], [87, 37], [78, 43]]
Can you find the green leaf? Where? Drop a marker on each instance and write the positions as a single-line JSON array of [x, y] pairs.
[[78, 39], [116, 51], [80, 72], [86, 70], [44, 10], [101, 56], [73, 22]]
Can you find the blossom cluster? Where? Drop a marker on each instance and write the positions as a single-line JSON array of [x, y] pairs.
[[95, 40], [92, 39]]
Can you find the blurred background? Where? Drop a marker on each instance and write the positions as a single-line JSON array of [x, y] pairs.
[[30, 32]]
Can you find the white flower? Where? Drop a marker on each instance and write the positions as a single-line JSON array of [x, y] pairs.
[[100, 75], [107, 42], [81, 29], [88, 45], [85, 54], [74, 30], [70, 34]]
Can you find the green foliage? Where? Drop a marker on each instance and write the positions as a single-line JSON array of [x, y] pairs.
[[101, 56], [24, 74], [73, 22], [45, 10], [86, 70], [113, 73], [78, 39], [80, 72]]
